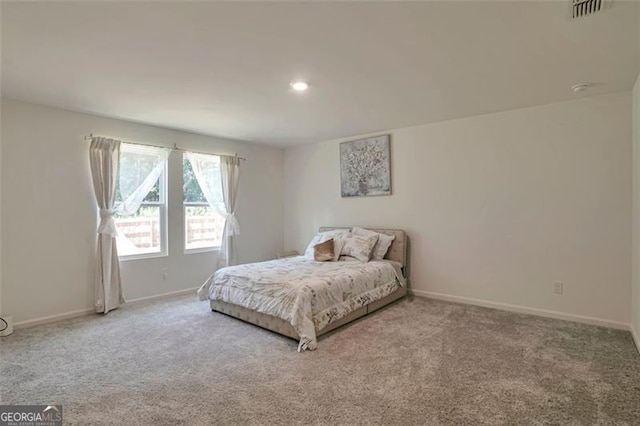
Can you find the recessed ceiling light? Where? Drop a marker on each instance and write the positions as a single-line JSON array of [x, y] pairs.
[[299, 86]]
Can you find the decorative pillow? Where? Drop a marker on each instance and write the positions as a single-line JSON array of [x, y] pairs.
[[359, 247], [324, 251], [338, 244], [382, 246], [324, 236]]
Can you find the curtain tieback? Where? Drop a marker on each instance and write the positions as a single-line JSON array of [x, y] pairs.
[[233, 226], [107, 224]]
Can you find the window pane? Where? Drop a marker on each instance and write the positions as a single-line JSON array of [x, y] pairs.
[[191, 188], [136, 162], [203, 227], [154, 194], [152, 197], [139, 233]]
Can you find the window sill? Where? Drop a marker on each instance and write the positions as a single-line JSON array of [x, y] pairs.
[[202, 250], [141, 256]]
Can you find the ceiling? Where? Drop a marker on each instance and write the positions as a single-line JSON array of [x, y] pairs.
[[223, 69]]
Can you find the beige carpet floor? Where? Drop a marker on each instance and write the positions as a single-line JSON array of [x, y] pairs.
[[417, 361]]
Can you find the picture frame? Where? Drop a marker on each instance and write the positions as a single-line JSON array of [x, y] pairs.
[[365, 167]]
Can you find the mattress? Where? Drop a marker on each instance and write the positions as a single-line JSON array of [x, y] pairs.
[[307, 294]]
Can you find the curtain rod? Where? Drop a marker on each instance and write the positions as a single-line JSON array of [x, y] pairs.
[[175, 147]]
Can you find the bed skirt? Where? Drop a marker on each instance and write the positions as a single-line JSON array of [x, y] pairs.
[[280, 326]]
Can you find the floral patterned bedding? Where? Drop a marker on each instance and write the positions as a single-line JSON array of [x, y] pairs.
[[307, 294]]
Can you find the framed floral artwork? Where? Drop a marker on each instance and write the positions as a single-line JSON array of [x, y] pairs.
[[365, 168]]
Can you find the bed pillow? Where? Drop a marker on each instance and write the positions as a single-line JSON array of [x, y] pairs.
[[321, 237], [324, 251], [382, 246], [359, 247]]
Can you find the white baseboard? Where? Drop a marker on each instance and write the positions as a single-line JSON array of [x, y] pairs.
[[184, 292], [53, 318], [87, 311], [636, 337], [523, 310]]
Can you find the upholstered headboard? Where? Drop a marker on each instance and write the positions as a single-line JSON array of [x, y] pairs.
[[398, 249]]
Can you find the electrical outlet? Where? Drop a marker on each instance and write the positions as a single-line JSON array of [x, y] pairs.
[[164, 274], [558, 287]]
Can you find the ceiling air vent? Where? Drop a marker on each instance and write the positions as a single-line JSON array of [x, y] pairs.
[[582, 8]]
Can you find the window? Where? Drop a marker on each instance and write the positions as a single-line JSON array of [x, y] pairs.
[[141, 232], [203, 225]]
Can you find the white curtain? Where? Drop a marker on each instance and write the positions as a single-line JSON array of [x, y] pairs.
[[141, 166], [104, 158], [206, 169], [230, 176]]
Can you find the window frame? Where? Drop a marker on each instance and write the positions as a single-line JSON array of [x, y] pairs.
[[163, 225]]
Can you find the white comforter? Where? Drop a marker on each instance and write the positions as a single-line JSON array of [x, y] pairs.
[[307, 294]]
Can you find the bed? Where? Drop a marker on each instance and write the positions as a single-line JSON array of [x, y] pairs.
[[304, 299]]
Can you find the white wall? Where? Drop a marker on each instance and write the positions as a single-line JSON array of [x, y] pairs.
[[635, 282], [1, 310], [635, 290], [497, 206], [49, 213], [1, 305]]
